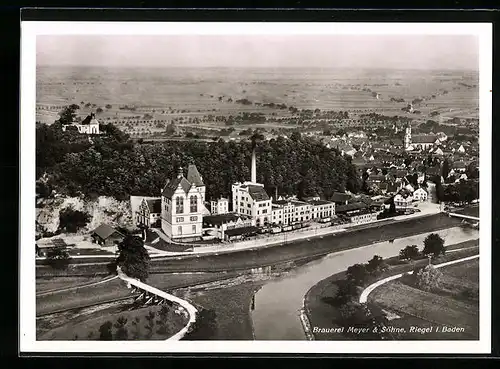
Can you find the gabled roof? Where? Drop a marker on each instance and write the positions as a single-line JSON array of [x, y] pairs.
[[459, 164], [257, 193], [376, 177], [220, 219], [172, 185], [350, 207], [420, 139], [154, 205], [105, 231], [90, 119], [340, 197], [194, 176], [392, 187]]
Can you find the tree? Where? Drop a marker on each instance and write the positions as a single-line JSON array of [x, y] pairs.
[[163, 314], [409, 253], [205, 326], [58, 258], [71, 220], [357, 273], [150, 325], [121, 333], [376, 265], [349, 311], [346, 291], [170, 129], [99, 110], [433, 244], [108, 106], [428, 278], [133, 258], [68, 114], [105, 333], [445, 169], [472, 170], [136, 334]]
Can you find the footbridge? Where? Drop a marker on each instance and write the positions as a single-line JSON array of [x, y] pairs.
[[463, 216], [151, 295]]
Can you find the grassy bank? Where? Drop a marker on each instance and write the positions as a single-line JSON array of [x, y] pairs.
[[322, 308], [142, 323], [44, 285], [114, 289], [78, 297], [454, 304], [233, 320]]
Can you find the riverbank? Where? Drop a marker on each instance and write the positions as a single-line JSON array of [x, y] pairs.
[[247, 259], [323, 311]]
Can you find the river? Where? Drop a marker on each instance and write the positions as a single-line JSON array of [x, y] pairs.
[[277, 304]]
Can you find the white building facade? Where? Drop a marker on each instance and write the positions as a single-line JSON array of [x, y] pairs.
[[219, 206], [182, 206], [420, 195]]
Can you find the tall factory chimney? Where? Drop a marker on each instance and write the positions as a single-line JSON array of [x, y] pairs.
[[254, 167]]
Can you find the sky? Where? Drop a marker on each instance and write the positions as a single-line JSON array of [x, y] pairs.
[[273, 51]]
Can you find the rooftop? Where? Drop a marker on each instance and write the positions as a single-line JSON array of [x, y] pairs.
[[320, 202], [340, 197], [172, 185], [105, 231], [241, 231], [193, 176], [351, 207], [420, 139], [220, 219], [258, 193], [154, 205]]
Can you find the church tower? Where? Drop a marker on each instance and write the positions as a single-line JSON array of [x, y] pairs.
[[407, 136]]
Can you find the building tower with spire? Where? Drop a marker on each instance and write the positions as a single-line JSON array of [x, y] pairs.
[[182, 206], [407, 137]]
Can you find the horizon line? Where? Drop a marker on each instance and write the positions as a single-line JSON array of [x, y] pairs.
[[246, 67]]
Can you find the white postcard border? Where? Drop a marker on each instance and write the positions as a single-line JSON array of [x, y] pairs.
[[29, 31]]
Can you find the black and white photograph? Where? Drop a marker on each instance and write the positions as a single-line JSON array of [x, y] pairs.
[[246, 187]]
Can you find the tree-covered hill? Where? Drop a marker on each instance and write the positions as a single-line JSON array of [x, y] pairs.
[[110, 165]]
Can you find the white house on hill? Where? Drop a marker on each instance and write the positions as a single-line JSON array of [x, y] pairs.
[[90, 125]]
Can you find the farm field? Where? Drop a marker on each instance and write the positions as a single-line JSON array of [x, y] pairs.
[[148, 99]]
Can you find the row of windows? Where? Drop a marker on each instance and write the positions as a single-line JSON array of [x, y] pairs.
[[181, 219], [193, 204], [179, 229]]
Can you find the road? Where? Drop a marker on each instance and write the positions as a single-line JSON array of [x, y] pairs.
[[248, 259]]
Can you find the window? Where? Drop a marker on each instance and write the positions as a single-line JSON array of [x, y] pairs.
[[193, 228], [264, 211], [193, 219], [193, 202], [180, 219], [248, 205], [179, 230], [179, 205]]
